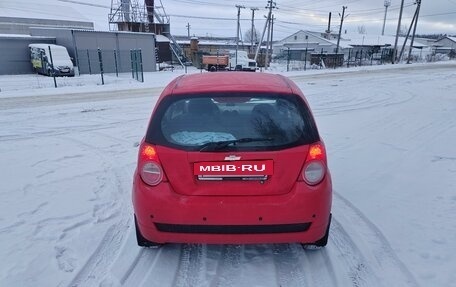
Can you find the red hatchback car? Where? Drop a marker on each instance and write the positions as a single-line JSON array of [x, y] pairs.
[[232, 158]]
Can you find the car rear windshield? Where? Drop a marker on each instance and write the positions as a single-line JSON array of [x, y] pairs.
[[232, 122]]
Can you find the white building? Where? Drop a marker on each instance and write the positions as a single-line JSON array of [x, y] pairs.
[[301, 42], [445, 45], [351, 45]]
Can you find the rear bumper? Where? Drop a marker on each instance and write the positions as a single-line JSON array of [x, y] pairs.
[[300, 216]]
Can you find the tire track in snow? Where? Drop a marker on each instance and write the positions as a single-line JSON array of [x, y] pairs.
[[290, 269], [379, 257], [357, 267], [327, 104], [63, 131], [320, 268], [348, 260], [133, 266], [73, 98], [136, 266], [98, 263], [191, 265], [145, 261], [164, 269], [228, 265]]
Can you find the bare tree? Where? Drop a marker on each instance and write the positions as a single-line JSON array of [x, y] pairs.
[[362, 29], [248, 35], [403, 30]]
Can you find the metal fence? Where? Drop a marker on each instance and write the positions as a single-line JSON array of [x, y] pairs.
[[111, 61], [355, 58]]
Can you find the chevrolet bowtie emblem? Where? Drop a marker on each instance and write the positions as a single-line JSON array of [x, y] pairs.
[[232, 157]]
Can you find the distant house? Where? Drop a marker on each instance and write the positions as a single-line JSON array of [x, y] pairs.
[[378, 46], [351, 45], [445, 45], [302, 43], [447, 41]]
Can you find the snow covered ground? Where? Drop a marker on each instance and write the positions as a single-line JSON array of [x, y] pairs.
[[67, 157]]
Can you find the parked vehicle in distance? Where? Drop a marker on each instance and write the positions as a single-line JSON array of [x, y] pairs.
[[243, 63], [61, 64], [215, 62], [228, 62], [232, 158]]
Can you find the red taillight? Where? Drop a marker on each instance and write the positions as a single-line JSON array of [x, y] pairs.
[[149, 152], [149, 166], [316, 151], [314, 169]]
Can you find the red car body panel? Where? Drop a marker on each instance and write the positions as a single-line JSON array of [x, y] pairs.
[[287, 168], [182, 200], [302, 204]]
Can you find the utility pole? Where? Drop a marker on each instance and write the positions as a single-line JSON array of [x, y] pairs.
[[418, 2], [387, 4], [268, 38], [271, 5], [253, 31], [269, 41], [397, 32], [328, 31], [408, 34], [272, 30], [188, 29], [239, 7], [340, 28]]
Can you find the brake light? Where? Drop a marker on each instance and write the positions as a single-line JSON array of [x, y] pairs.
[[149, 152], [316, 151], [149, 166], [314, 169]]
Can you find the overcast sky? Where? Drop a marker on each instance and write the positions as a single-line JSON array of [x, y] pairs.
[[218, 17]]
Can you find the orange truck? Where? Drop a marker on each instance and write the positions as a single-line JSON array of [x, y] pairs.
[[215, 63]]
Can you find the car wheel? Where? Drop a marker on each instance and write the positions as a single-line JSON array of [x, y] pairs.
[[143, 242], [320, 242]]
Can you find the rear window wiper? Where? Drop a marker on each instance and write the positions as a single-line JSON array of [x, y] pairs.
[[211, 146]]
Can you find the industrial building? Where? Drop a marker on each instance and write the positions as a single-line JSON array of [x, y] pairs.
[[135, 25]]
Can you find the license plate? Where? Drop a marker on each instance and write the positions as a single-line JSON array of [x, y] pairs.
[[234, 168]]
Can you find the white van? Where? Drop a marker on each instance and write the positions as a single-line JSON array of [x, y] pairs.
[[243, 62], [41, 60]]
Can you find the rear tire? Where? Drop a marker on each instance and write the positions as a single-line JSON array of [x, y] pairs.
[[320, 242], [143, 242]]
